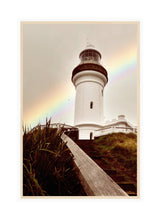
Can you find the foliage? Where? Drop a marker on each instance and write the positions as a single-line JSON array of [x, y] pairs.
[[48, 166], [119, 150]]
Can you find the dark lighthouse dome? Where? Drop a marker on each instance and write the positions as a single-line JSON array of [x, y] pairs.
[[90, 60]]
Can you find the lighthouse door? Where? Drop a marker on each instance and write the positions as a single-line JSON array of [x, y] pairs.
[[91, 135]]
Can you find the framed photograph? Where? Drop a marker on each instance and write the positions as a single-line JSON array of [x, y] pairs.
[[80, 109]]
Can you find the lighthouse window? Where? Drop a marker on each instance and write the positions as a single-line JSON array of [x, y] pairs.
[[90, 55], [91, 105], [102, 92]]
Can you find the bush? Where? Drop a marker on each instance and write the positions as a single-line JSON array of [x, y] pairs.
[[48, 166]]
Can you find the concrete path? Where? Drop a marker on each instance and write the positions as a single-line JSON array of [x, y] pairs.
[[94, 180]]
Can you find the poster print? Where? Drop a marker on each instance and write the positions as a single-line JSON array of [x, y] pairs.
[[80, 101]]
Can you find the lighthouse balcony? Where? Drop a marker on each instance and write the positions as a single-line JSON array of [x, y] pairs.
[[90, 66]]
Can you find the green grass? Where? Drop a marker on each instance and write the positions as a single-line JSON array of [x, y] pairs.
[[119, 150], [48, 166]]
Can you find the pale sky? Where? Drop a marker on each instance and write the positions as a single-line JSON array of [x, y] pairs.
[[51, 52]]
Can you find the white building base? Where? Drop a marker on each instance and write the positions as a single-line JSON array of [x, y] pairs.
[[87, 131], [90, 131]]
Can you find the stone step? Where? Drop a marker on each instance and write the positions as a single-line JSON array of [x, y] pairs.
[[128, 186], [118, 178], [130, 193], [110, 172]]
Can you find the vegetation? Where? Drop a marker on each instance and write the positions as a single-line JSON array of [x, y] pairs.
[[48, 166], [116, 154], [49, 169], [120, 151]]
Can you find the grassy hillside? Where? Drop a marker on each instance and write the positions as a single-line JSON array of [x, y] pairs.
[[48, 166], [116, 154], [120, 151]]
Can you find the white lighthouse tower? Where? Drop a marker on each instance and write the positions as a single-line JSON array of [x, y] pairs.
[[89, 79]]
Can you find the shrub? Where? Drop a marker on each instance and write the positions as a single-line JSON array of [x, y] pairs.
[[48, 166]]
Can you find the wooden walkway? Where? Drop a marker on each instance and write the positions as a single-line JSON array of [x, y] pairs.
[[94, 180]]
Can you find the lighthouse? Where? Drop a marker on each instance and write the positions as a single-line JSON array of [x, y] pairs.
[[89, 79]]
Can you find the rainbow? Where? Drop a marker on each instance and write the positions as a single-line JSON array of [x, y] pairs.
[[122, 64], [61, 103], [51, 106]]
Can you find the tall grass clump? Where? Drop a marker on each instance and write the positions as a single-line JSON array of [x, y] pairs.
[[48, 166]]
